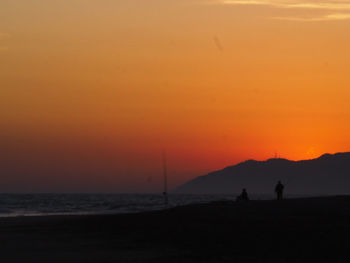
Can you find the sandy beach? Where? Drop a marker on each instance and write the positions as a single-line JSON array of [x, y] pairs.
[[296, 230]]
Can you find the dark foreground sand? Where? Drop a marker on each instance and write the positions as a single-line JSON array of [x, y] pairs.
[[299, 230]]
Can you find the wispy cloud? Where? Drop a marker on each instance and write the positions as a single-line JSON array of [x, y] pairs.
[[333, 10], [323, 5], [244, 2], [319, 6], [320, 18]]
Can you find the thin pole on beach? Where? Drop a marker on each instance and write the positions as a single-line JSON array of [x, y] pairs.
[[165, 174]]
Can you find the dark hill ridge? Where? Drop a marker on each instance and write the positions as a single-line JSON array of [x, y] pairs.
[[328, 174]]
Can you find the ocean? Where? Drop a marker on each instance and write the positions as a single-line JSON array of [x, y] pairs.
[[13, 205]]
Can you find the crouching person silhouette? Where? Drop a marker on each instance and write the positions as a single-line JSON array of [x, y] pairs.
[[243, 196]]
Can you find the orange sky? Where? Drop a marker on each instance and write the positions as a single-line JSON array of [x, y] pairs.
[[92, 91]]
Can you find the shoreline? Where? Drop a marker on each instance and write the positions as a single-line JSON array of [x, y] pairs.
[[103, 213], [114, 213]]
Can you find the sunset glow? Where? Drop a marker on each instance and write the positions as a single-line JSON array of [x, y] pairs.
[[93, 91]]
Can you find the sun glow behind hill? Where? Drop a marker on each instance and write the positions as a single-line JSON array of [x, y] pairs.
[[93, 91]]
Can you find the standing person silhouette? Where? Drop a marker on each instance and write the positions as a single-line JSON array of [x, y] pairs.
[[279, 190]]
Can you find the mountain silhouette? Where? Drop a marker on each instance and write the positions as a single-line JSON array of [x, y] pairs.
[[328, 174]]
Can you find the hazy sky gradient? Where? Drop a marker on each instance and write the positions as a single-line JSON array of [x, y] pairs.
[[92, 91]]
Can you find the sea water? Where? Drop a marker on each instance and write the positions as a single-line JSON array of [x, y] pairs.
[[12, 205]]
